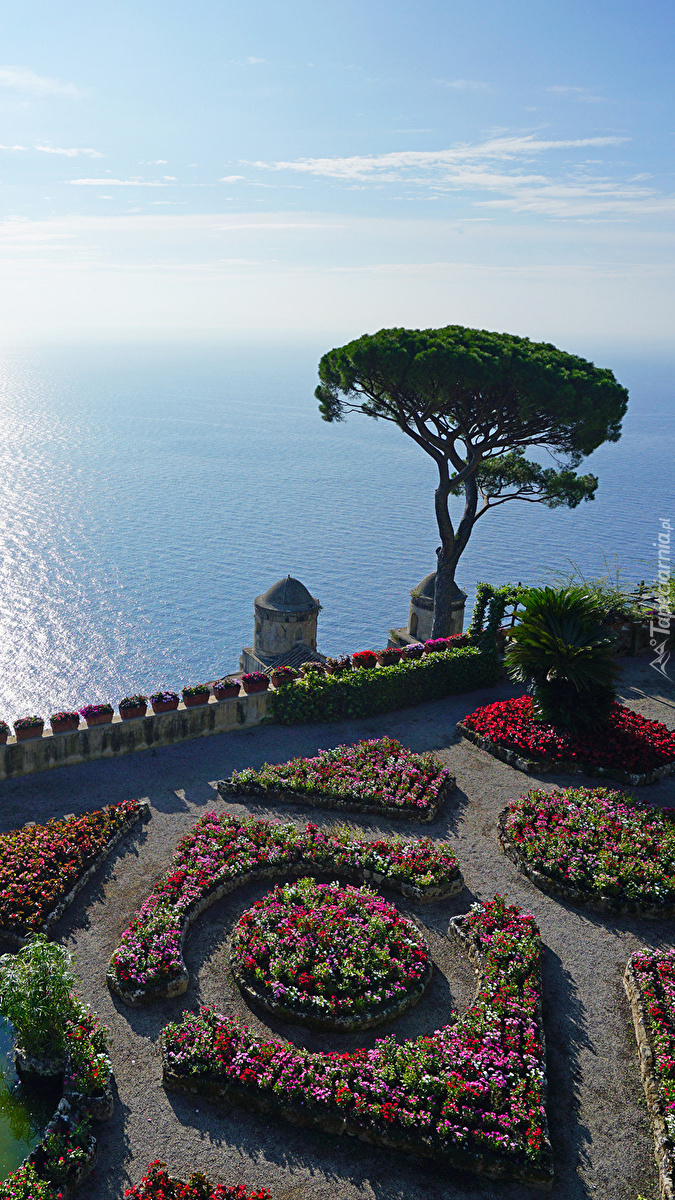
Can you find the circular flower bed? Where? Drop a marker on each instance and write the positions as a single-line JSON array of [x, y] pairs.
[[596, 847], [330, 956], [629, 747]]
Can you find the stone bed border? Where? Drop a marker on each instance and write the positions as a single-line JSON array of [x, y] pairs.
[[549, 766], [177, 986], [615, 906], [323, 800], [15, 940], [228, 1094], [356, 1024], [664, 1150]]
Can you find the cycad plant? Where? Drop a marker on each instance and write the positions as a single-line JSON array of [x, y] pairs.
[[566, 654]]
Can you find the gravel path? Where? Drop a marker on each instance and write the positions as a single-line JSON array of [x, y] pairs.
[[599, 1127]]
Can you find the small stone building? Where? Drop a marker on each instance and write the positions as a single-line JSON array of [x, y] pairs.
[[421, 615], [285, 628]]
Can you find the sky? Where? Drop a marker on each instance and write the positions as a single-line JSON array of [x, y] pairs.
[[211, 168]]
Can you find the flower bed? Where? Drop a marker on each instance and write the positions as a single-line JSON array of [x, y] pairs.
[[365, 692], [43, 867], [223, 852], [374, 776], [470, 1095], [649, 982], [330, 956], [594, 847], [157, 1184], [629, 748]]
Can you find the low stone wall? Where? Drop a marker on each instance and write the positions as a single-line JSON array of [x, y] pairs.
[[125, 737]]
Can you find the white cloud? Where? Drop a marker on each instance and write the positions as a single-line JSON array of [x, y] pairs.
[[22, 79], [12, 147], [118, 182], [578, 93], [71, 152], [230, 178], [253, 62], [397, 164], [463, 85]]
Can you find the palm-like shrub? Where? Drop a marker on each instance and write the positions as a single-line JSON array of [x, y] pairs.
[[560, 646], [35, 995]]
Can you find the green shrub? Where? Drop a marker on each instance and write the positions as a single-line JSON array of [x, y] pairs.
[[35, 995], [560, 646], [365, 692]]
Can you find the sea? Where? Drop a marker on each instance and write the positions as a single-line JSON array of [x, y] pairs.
[[149, 491]]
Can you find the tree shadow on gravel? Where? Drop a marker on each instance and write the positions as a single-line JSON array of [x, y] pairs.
[[566, 1038]]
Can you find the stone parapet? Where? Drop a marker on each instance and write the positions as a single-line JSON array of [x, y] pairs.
[[125, 737]]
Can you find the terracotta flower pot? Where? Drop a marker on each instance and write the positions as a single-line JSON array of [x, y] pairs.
[[160, 706], [280, 680], [65, 726], [99, 719], [3, 737], [386, 659], [25, 732], [226, 693], [257, 686], [193, 701], [127, 714]]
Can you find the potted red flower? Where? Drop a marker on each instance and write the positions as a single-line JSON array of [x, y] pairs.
[[255, 681], [389, 656], [365, 659], [28, 727], [282, 675], [197, 694], [64, 722], [133, 706], [226, 688], [4, 732], [97, 714], [164, 701]]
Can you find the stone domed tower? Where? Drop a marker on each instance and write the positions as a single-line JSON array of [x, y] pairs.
[[421, 615], [285, 628]]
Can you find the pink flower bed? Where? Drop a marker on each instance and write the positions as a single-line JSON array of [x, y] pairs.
[[380, 772], [225, 849], [654, 972], [472, 1092], [628, 742]]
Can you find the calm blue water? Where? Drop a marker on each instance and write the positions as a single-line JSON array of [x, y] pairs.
[[149, 493]]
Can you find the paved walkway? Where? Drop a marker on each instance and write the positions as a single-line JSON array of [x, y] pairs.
[[601, 1135]]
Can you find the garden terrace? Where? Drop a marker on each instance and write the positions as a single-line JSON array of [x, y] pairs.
[[629, 748], [471, 1094], [650, 987], [594, 847], [377, 776], [224, 852]]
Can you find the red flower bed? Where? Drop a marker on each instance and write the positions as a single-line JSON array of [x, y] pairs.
[[39, 864], [157, 1184], [628, 742]]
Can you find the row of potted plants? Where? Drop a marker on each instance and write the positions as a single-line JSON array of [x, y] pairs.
[[471, 1094], [135, 706], [227, 850], [40, 864], [367, 660]]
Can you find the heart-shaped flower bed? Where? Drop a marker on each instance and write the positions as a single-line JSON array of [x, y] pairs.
[[595, 847], [470, 1095], [329, 956]]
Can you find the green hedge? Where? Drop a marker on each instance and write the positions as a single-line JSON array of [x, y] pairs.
[[363, 693]]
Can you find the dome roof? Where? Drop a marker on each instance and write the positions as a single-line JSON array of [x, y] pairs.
[[427, 588], [287, 595]]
